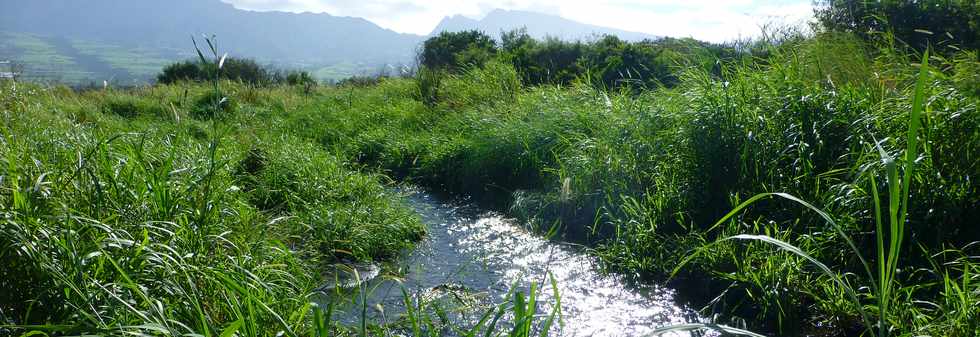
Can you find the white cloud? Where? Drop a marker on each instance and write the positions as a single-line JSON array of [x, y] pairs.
[[712, 20]]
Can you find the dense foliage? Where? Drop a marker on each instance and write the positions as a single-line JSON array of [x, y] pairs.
[[238, 69], [823, 186], [607, 62], [950, 25], [646, 175], [454, 51], [300, 78], [235, 69], [122, 213]]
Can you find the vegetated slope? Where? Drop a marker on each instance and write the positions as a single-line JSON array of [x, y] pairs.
[[39, 58], [126, 212], [166, 27], [645, 175], [538, 25]]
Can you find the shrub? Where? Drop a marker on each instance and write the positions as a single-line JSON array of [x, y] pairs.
[[244, 70], [360, 81], [918, 23], [454, 51], [235, 69], [608, 62], [213, 105], [130, 107], [300, 78], [180, 71], [121, 107], [617, 63], [551, 61]]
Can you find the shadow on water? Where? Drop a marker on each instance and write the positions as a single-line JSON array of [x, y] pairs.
[[472, 259]]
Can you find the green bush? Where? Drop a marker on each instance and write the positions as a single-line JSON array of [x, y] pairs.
[[951, 25], [243, 70], [300, 78], [213, 105], [551, 61], [455, 51], [234, 69], [608, 63], [360, 81], [130, 107], [180, 71], [121, 107]]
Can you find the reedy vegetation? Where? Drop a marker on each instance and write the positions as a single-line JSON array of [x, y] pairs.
[[108, 227], [644, 175], [191, 209]]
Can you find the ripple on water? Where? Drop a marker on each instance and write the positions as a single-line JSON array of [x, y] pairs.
[[488, 253]]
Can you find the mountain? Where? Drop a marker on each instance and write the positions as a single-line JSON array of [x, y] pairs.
[[129, 41], [538, 26], [162, 30]]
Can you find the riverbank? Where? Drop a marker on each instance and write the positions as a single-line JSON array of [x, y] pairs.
[[123, 212], [646, 176], [144, 210]]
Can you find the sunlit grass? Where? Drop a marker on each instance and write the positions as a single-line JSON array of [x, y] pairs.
[[158, 211], [645, 175]]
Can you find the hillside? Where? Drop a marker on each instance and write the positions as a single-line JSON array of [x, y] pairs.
[[162, 30], [128, 41]]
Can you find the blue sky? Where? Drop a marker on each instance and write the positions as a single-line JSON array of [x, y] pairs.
[[710, 20]]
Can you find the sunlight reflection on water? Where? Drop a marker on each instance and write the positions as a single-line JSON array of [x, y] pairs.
[[486, 252]]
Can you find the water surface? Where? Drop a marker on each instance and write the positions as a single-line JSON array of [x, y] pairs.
[[487, 254]]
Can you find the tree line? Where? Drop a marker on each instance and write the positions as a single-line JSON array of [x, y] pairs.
[[948, 26], [608, 61]]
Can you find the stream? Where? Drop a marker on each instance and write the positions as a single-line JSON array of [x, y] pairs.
[[475, 257]]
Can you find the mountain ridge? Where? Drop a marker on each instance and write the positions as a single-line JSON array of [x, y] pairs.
[[130, 40], [538, 25], [266, 35]]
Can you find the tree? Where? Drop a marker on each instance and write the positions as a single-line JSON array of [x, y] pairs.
[[243, 70], [516, 40], [947, 24], [617, 63], [551, 61], [454, 51], [180, 71]]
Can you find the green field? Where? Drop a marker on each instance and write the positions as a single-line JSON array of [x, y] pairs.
[[140, 63], [39, 58], [81, 62]]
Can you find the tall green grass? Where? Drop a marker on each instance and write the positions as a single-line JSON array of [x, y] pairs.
[[146, 218], [644, 175], [143, 224], [107, 197], [889, 241]]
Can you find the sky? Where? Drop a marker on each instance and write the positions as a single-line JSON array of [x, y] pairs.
[[709, 20]]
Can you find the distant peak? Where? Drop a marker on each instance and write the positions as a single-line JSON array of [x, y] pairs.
[[458, 17], [454, 23], [539, 25], [498, 11]]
